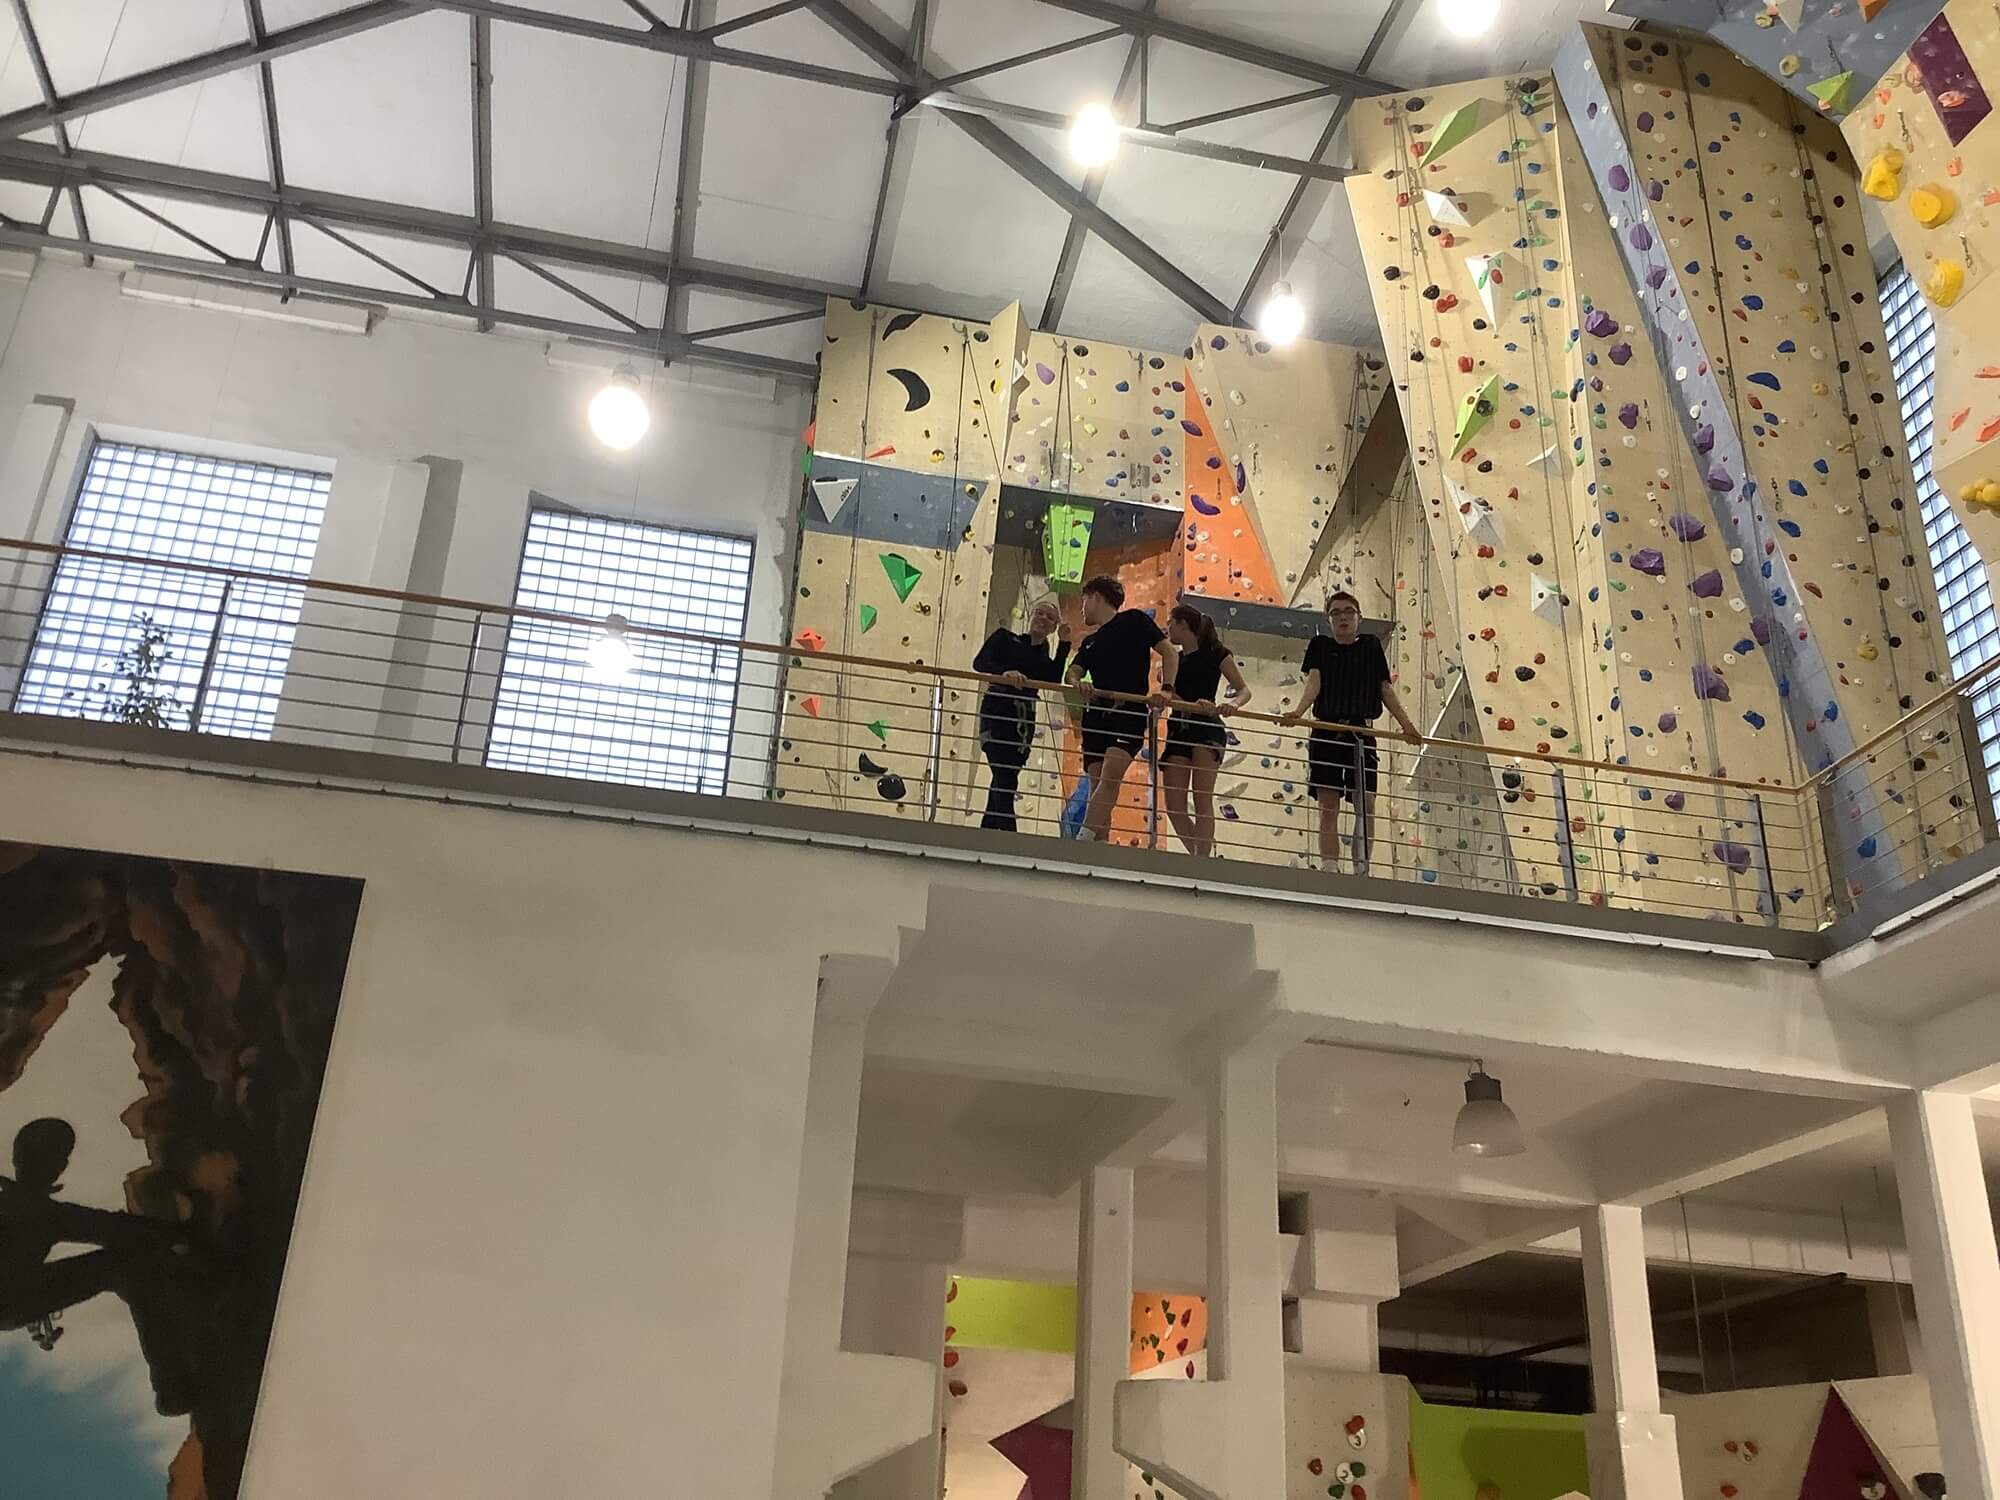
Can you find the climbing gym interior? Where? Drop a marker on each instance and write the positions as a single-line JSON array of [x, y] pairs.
[[999, 749]]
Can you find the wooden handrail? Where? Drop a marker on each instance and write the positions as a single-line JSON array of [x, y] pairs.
[[1485, 753]]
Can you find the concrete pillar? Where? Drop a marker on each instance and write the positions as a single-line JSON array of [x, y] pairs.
[[1892, 1329], [1955, 1272], [1348, 1266], [1632, 1450], [1104, 1330], [897, 1307]]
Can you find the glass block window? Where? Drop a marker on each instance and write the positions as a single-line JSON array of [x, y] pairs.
[[664, 721], [149, 641], [1972, 632]]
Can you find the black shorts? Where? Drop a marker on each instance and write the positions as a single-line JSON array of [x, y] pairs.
[[1112, 726], [1342, 760], [1189, 733]]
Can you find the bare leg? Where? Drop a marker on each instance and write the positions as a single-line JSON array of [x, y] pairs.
[[1174, 776], [1110, 776], [1206, 764], [1329, 829]]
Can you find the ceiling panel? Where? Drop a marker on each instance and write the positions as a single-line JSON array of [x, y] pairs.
[[800, 341], [116, 222], [1323, 260], [1336, 34], [800, 36], [966, 36], [90, 41], [964, 233], [606, 171], [1186, 84], [789, 172], [1422, 50], [1111, 299], [610, 12], [386, 114], [216, 125], [1210, 218], [521, 290], [18, 88], [279, 14]]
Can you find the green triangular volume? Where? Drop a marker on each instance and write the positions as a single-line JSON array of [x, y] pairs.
[[868, 617], [1835, 94], [1458, 126], [903, 574], [1474, 412]]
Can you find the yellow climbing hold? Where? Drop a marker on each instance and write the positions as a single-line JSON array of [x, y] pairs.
[[1946, 281], [1982, 492], [1789, 64], [1869, 651], [1932, 205], [1883, 179]]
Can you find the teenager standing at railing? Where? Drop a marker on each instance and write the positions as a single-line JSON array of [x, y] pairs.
[[1007, 710], [1195, 736], [1347, 682], [1117, 657]]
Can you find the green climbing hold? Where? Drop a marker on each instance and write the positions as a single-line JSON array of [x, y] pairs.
[[903, 574], [1474, 412], [880, 729], [868, 617], [1835, 94], [1065, 541], [1460, 125]]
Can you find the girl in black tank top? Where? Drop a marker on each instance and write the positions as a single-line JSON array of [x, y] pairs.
[[1196, 738]]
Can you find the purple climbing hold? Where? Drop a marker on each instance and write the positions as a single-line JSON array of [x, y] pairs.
[[1202, 506], [1190, 428], [1764, 378], [1618, 177], [1688, 528], [1242, 479], [1045, 374], [1656, 277], [1760, 629], [1628, 415], [1676, 801], [1708, 585], [1213, 461], [1734, 855], [1669, 722], [1648, 560], [1599, 324], [1719, 480], [1704, 438], [1710, 684], [1619, 353], [1640, 236], [1656, 189], [1644, 120], [1218, 342]]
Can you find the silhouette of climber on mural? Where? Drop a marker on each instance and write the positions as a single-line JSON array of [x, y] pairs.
[[1117, 657], [1195, 736], [1347, 682], [146, 1263], [1007, 711]]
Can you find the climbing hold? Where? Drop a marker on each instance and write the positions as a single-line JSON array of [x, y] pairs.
[[1458, 126], [903, 575], [1444, 210], [880, 729], [916, 391], [811, 706], [812, 640], [868, 767], [1932, 205], [1834, 94], [1474, 412], [832, 495], [1883, 177], [868, 618], [1946, 281], [1490, 276]]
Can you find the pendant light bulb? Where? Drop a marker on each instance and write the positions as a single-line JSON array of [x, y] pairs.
[[618, 412]]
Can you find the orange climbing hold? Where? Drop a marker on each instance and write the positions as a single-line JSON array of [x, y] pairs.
[[811, 706], [812, 640]]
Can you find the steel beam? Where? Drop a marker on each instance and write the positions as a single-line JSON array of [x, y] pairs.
[[1152, 24], [1244, 111], [282, 43], [482, 159], [25, 24], [274, 155], [916, 50], [44, 166], [769, 12], [1030, 168], [1139, 135], [729, 330], [1299, 189], [658, 343], [1040, 54]]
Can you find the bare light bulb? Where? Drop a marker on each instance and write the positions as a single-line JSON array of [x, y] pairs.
[[1283, 317], [618, 413], [1468, 17], [609, 654], [1093, 136]]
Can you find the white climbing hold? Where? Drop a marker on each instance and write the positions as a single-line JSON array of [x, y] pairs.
[[832, 495]]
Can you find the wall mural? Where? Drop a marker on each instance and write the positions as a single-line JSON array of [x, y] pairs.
[[164, 1030]]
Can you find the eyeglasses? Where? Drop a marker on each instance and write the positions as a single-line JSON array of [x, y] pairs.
[[1344, 611]]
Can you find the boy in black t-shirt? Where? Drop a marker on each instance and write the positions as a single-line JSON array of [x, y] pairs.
[[1118, 656], [1347, 682]]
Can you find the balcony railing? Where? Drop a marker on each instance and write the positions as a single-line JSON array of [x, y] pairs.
[[227, 652]]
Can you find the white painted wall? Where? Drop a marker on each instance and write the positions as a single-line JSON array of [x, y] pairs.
[[722, 453]]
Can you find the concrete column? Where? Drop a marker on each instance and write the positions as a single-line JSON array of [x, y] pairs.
[[1104, 1330], [1892, 1329], [897, 1307], [1632, 1450], [1948, 1225], [1348, 1266]]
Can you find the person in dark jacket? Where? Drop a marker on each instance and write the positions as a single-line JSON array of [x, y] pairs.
[[1007, 711]]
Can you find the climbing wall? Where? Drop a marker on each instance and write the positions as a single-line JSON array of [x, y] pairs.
[[1286, 424], [1455, 211], [1825, 53], [1093, 422], [1263, 806], [1929, 151], [1736, 216], [895, 556], [1747, 1445]]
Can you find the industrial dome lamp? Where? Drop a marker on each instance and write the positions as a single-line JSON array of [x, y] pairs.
[[618, 413], [1485, 1125]]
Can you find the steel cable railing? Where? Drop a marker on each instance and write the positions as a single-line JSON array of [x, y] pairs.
[[214, 650]]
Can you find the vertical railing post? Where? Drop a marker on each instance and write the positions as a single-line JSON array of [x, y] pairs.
[[1564, 848], [465, 687], [937, 748], [1978, 788], [1152, 777], [208, 660], [1764, 861]]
